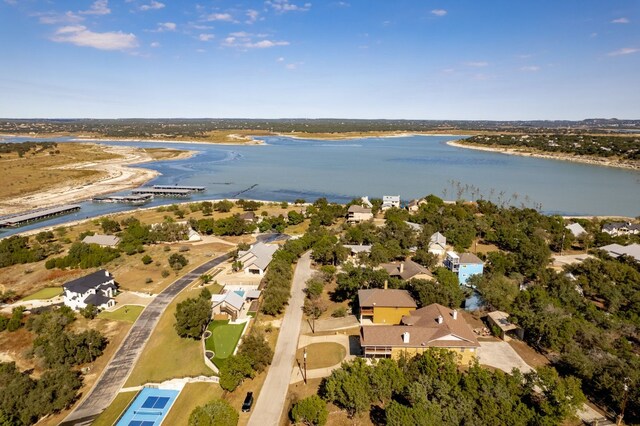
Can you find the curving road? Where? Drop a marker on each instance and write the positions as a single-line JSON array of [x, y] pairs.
[[270, 404], [115, 374]]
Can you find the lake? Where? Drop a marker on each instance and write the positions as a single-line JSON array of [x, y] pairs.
[[285, 169]]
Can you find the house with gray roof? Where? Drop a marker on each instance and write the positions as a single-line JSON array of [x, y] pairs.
[[102, 240], [357, 214], [617, 250], [256, 260], [97, 289], [229, 304], [616, 229], [576, 229], [437, 244]]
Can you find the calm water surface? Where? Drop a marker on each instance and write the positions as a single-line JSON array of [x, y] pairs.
[[413, 166]]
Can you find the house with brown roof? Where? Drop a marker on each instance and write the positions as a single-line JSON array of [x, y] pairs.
[[433, 326], [407, 270], [357, 214], [385, 306]]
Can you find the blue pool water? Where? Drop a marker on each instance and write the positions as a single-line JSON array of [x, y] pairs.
[[149, 408], [239, 293]]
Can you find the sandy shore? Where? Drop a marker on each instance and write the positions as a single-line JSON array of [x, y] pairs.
[[241, 140], [117, 176], [594, 161]]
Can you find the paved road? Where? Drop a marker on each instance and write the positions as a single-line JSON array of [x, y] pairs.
[[115, 374], [268, 408]]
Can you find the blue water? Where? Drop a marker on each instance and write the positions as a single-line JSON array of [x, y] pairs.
[[239, 293], [149, 408], [286, 169]]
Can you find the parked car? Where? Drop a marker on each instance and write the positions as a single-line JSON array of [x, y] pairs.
[[248, 402]]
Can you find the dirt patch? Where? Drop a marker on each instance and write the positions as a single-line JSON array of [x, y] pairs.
[[528, 354]]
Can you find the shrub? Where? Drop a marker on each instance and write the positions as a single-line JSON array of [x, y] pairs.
[[310, 411], [214, 413], [339, 312], [148, 280], [146, 259], [164, 273]]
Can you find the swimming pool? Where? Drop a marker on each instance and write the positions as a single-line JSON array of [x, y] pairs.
[[239, 293], [149, 408]]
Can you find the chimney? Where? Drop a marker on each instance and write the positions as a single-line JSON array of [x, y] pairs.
[[106, 273], [405, 337], [386, 284], [401, 267], [455, 314], [440, 319]]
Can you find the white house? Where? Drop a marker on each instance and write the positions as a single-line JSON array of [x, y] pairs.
[[97, 289], [621, 228], [437, 244], [257, 258], [230, 303], [576, 229], [102, 240], [389, 201], [357, 214]]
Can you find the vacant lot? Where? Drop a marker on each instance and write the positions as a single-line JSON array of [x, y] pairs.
[[127, 313], [321, 355]]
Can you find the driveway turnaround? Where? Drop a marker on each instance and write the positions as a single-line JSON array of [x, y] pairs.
[[270, 404], [116, 372]]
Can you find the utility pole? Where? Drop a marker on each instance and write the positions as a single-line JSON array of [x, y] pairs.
[[305, 366], [562, 244], [624, 401]]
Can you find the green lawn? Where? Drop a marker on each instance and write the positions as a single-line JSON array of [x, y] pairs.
[[128, 313], [45, 293], [223, 340], [115, 410], [192, 396]]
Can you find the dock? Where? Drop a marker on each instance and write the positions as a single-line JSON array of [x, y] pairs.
[[188, 188], [36, 215], [127, 199], [158, 192]]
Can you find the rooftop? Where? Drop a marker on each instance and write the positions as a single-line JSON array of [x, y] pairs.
[[102, 240], [358, 209], [385, 298], [406, 270], [91, 281]]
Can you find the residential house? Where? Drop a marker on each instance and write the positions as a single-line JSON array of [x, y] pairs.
[[385, 306], [102, 240], [389, 201], [437, 244], [576, 229], [415, 227], [256, 260], [357, 214], [97, 289], [465, 265], [621, 228], [433, 326], [617, 250], [413, 206], [365, 202], [249, 217], [229, 304], [407, 270]]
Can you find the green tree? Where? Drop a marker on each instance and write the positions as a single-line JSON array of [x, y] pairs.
[[310, 411], [146, 259], [294, 218], [257, 350], [192, 316], [214, 413], [234, 370], [349, 386], [177, 261]]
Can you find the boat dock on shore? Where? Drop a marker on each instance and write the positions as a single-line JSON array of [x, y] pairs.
[[188, 188], [157, 192], [127, 199], [36, 215]]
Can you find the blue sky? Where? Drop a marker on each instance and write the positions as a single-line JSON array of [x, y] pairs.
[[498, 59]]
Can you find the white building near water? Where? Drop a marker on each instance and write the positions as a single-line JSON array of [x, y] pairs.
[[389, 201], [256, 260], [97, 289]]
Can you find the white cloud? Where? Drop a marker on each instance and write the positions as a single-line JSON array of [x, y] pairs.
[[624, 51], [99, 7], [439, 12], [166, 26], [265, 44], [530, 68], [282, 6], [206, 37], [253, 16], [244, 41], [280, 59], [81, 36], [293, 66], [240, 34], [225, 17], [154, 5], [200, 27], [154, 44], [477, 64], [620, 21], [53, 18], [342, 4]]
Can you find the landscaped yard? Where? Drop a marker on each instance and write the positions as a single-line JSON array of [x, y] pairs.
[[192, 396], [223, 340], [117, 407], [45, 293], [321, 355], [128, 313]]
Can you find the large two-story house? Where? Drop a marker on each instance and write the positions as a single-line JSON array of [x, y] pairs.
[[97, 289]]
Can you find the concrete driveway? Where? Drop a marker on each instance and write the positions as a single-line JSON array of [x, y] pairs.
[[502, 356]]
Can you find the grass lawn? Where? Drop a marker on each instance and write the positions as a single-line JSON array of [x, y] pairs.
[[45, 293], [192, 396], [117, 407], [166, 355], [321, 355], [223, 340], [128, 313]]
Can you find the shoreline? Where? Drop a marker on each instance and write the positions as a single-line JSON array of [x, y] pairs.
[[252, 141], [593, 161], [119, 174]]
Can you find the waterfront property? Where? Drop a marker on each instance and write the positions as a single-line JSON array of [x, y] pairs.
[[384, 306], [256, 260], [102, 240], [36, 215], [433, 326], [149, 408], [357, 214], [465, 265], [97, 289]]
